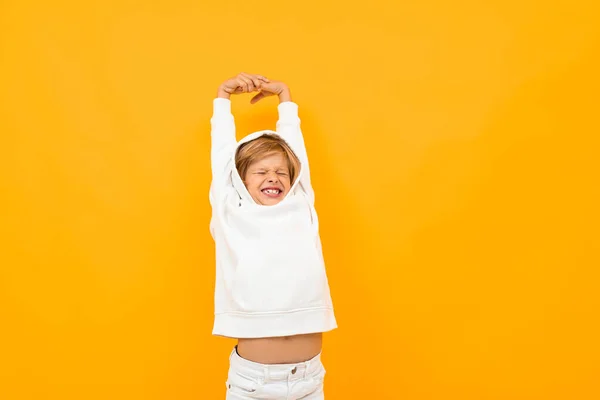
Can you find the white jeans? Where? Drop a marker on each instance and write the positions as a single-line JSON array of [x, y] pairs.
[[250, 380]]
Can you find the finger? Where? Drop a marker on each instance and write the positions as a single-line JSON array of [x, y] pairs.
[[257, 98], [244, 83], [257, 82], [253, 78], [262, 78], [250, 84], [267, 86]]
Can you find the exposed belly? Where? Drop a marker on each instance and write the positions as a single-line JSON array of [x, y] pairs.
[[281, 350]]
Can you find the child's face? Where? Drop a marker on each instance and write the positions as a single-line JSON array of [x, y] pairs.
[[268, 180]]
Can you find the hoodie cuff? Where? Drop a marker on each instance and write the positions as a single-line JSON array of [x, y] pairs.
[[288, 110], [221, 107]]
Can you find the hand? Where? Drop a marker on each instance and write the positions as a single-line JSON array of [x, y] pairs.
[[272, 88], [242, 83]]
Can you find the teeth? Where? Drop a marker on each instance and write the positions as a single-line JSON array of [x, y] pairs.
[[271, 191]]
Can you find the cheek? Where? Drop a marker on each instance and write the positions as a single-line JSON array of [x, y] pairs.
[[253, 182]]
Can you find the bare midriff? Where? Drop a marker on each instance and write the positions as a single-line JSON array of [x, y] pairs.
[[281, 350]]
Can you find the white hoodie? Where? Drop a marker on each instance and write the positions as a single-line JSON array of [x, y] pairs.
[[270, 278]]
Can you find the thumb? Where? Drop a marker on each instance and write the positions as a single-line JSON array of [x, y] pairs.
[[257, 98]]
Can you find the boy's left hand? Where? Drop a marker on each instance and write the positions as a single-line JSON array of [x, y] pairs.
[[272, 88]]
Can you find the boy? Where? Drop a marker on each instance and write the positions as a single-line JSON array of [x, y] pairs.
[[271, 290]]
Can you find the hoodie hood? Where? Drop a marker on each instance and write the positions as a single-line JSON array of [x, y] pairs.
[[237, 181]]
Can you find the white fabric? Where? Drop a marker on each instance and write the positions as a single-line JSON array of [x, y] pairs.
[[249, 380], [270, 278]]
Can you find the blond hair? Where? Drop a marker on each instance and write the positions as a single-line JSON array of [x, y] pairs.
[[264, 146]]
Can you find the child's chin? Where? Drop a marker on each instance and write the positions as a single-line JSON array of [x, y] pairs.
[[270, 201]]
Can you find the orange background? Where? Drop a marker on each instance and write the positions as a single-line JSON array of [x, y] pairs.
[[453, 149]]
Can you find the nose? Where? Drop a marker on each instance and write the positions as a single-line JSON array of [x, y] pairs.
[[273, 177]]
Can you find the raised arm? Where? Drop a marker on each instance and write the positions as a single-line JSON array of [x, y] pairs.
[[223, 139], [223, 143], [288, 127]]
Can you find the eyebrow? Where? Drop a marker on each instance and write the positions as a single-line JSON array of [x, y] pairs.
[[266, 168]]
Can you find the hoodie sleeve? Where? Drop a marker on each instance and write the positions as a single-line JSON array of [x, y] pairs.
[[288, 127], [223, 143]]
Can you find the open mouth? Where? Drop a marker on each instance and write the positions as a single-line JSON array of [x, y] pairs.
[[272, 192]]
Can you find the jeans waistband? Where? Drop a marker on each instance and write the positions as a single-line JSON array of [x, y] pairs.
[[275, 372]]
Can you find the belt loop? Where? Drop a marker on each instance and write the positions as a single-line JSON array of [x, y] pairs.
[[306, 367], [266, 373]]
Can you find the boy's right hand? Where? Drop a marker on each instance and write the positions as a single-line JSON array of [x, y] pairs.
[[242, 83]]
